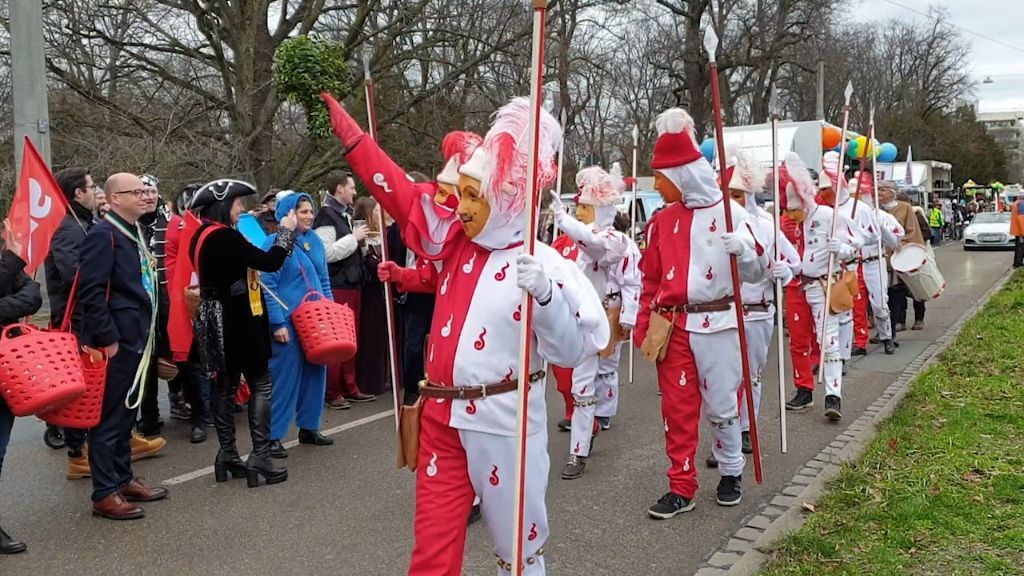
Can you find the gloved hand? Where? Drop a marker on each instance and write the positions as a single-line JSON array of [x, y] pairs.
[[388, 271], [733, 243], [834, 246], [781, 271], [556, 206], [345, 127], [530, 276]]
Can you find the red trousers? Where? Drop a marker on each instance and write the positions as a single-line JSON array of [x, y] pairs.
[[860, 312], [563, 383], [341, 378], [803, 345]]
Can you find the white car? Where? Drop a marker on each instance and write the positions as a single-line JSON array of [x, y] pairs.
[[988, 230]]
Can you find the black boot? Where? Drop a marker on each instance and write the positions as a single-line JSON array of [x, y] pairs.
[[259, 463], [9, 545], [890, 346], [227, 460]]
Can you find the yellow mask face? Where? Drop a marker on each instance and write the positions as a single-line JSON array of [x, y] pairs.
[[795, 215], [739, 196], [586, 213], [669, 191], [474, 209], [444, 192]]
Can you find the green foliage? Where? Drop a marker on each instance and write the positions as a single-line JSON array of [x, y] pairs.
[[303, 68], [940, 490]]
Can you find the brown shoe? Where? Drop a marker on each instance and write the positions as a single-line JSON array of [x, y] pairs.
[[143, 448], [115, 507], [136, 491], [78, 468], [360, 398], [338, 403]]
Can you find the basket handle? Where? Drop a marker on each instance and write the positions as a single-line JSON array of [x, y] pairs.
[[312, 295], [22, 327]]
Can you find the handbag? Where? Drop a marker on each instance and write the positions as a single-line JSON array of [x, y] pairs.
[[659, 332]]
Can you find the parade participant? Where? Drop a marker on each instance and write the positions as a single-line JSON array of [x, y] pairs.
[[815, 228], [231, 325], [119, 298], [467, 443], [746, 180], [905, 216], [687, 321], [591, 242], [298, 389], [154, 232], [624, 285]]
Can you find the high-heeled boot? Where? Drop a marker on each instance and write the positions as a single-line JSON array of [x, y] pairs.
[[227, 460], [259, 463]]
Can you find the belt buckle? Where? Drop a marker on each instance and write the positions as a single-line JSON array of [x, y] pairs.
[[462, 392], [483, 392]]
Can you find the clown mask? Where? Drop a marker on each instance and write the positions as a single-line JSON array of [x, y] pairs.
[[739, 196], [446, 196], [474, 209], [586, 213]]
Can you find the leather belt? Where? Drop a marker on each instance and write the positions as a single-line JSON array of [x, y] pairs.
[[431, 390], [610, 297], [720, 305], [805, 280], [756, 307], [869, 259]]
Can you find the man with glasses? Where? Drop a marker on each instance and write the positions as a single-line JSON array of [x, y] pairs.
[[119, 299]]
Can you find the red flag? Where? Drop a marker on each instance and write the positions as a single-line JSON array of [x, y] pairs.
[[37, 209]]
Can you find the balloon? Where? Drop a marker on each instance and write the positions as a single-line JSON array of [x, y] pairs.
[[887, 152], [707, 148], [863, 147], [830, 136], [851, 148]]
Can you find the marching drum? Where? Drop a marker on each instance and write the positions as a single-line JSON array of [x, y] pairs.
[[918, 271]]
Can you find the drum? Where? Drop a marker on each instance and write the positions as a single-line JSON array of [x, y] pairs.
[[918, 271]]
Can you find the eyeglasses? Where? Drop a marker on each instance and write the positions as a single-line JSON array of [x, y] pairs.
[[139, 193]]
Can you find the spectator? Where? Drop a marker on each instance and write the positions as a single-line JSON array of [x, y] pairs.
[[231, 325], [371, 370], [265, 214], [936, 221], [19, 297], [1017, 230], [342, 238], [299, 386], [102, 206], [118, 300], [154, 233]]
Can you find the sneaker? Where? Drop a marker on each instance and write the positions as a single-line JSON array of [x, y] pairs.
[[801, 400], [748, 447], [890, 347], [900, 327], [574, 467], [181, 412], [143, 447], [564, 425], [918, 325], [729, 492], [858, 351], [711, 461], [360, 398], [605, 422], [339, 403], [670, 505], [833, 407], [78, 466]]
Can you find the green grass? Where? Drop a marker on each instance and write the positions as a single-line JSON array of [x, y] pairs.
[[941, 490]]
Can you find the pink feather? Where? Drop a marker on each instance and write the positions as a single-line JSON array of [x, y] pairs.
[[460, 143], [801, 178]]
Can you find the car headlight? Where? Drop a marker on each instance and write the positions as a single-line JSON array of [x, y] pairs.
[[969, 233]]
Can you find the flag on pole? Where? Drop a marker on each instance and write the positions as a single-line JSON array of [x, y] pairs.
[[37, 208], [908, 176]]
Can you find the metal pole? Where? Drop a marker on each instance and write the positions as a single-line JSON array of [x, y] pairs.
[[819, 108], [632, 235], [780, 290], [28, 66]]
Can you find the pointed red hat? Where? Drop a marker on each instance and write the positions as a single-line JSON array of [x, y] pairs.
[[676, 144]]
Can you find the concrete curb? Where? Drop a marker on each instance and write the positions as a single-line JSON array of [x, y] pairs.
[[745, 554]]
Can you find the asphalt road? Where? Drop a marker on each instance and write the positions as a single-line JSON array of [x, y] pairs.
[[346, 511]]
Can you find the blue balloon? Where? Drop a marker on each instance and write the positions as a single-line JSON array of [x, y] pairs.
[[707, 148], [887, 152], [837, 148], [851, 148]]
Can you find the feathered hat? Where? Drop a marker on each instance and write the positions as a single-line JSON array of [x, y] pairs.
[[457, 147], [830, 168], [500, 163], [599, 188], [796, 182], [742, 172], [676, 144]]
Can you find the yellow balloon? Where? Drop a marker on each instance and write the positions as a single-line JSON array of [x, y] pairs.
[[862, 146]]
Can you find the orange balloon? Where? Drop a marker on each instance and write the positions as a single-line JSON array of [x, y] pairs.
[[830, 137]]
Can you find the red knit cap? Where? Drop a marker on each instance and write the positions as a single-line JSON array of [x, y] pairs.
[[676, 144]]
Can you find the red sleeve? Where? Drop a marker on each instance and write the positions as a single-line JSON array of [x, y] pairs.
[[171, 245], [650, 269], [422, 279]]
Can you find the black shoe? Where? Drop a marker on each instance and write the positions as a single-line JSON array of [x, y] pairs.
[[277, 449], [313, 437], [474, 513], [265, 468], [9, 545], [890, 346], [899, 327], [875, 340], [748, 447], [833, 407], [858, 351], [150, 428], [669, 506], [801, 400], [564, 425], [228, 462], [360, 398], [729, 492], [198, 435], [605, 422], [711, 461]]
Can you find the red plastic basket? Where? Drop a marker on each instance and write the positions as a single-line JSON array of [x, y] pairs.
[[39, 370], [326, 329], [84, 412]]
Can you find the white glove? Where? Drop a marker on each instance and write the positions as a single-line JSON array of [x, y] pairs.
[[733, 243], [781, 271], [556, 206], [530, 276], [834, 246]]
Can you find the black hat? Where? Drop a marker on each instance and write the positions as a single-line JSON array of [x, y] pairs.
[[221, 190], [272, 195]]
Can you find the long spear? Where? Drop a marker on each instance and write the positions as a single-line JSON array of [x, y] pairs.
[[389, 306], [835, 212], [773, 107], [874, 197], [632, 231], [540, 9], [711, 45], [558, 178]]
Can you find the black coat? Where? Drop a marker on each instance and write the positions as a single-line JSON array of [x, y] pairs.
[[62, 262], [115, 306], [19, 295], [222, 266]]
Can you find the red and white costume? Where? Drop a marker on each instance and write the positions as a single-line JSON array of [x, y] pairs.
[[686, 269], [469, 448], [597, 249], [625, 281]]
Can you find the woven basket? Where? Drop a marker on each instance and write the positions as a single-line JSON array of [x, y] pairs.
[[84, 412], [326, 330], [39, 370]]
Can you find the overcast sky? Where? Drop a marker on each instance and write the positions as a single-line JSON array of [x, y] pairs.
[[1001, 20]]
